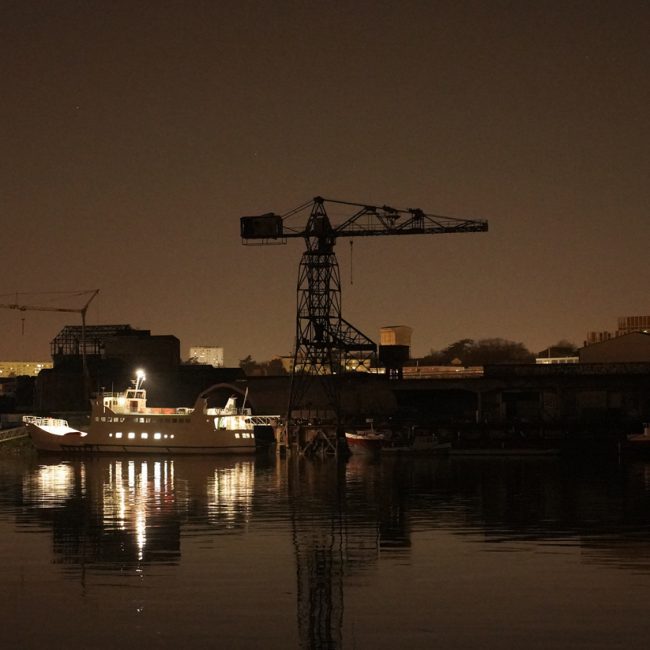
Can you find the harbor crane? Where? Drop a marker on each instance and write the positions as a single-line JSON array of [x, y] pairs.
[[74, 310], [325, 341]]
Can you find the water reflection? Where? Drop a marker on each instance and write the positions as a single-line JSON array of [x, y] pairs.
[[115, 512], [125, 516]]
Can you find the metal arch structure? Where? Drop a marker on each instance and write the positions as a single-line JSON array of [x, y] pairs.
[[325, 341]]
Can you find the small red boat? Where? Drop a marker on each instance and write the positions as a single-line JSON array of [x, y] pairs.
[[366, 441]]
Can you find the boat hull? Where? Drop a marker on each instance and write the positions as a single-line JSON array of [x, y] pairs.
[[364, 443], [433, 449], [639, 443], [159, 435]]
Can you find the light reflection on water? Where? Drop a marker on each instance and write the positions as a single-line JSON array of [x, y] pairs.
[[319, 554]]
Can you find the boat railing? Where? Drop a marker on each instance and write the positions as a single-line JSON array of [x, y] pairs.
[[263, 420], [44, 422], [225, 412]]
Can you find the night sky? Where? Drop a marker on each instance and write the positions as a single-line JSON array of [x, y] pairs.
[[135, 134]]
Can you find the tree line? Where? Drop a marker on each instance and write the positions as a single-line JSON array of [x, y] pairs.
[[470, 352], [465, 352]]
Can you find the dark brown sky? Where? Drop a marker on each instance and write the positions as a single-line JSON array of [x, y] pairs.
[[135, 134]]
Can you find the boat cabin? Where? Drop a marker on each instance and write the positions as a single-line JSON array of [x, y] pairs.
[[131, 401]]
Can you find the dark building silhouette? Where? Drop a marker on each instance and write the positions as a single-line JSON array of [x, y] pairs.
[[111, 354]]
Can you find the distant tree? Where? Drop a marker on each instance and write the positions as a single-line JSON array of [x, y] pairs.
[[275, 367], [461, 350], [252, 367], [497, 350], [434, 358], [469, 352], [563, 344], [248, 365], [562, 348]]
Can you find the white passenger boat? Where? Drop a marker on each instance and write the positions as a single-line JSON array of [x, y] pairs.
[[122, 422]]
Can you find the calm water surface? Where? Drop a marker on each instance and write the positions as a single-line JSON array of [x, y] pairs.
[[124, 552]]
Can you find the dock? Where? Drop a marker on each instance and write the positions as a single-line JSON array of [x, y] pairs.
[[13, 434]]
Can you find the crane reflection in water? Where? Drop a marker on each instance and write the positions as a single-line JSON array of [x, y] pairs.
[[300, 541], [125, 515]]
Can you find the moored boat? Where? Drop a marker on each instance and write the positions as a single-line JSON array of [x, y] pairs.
[[122, 422], [366, 441], [417, 442], [639, 442]]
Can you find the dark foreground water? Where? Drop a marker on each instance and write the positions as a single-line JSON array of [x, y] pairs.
[[118, 552]]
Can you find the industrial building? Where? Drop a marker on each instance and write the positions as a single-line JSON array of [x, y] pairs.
[[633, 347], [626, 325], [207, 355], [22, 368]]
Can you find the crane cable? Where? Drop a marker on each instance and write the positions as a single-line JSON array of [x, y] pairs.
[[351, 257]]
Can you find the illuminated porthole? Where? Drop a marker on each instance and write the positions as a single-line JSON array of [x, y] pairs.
[[156, 436], [144, 435], [236, 435], [171, 436], [118, 434], [131, 435]]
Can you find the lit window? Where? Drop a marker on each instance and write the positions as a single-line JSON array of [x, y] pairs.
[[118, 434], [110, 435], [171, 435], [166, 435], [236, 435], [131, 435], [144, 435], [156, 436]]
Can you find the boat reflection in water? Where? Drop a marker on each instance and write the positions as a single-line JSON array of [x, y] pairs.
[[130, 510], [372, 552]]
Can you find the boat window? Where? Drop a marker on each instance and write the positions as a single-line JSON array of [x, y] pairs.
[[144, 435], [236, 435], [156, 436], [118, 434], [131, 435], [172, 435]]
